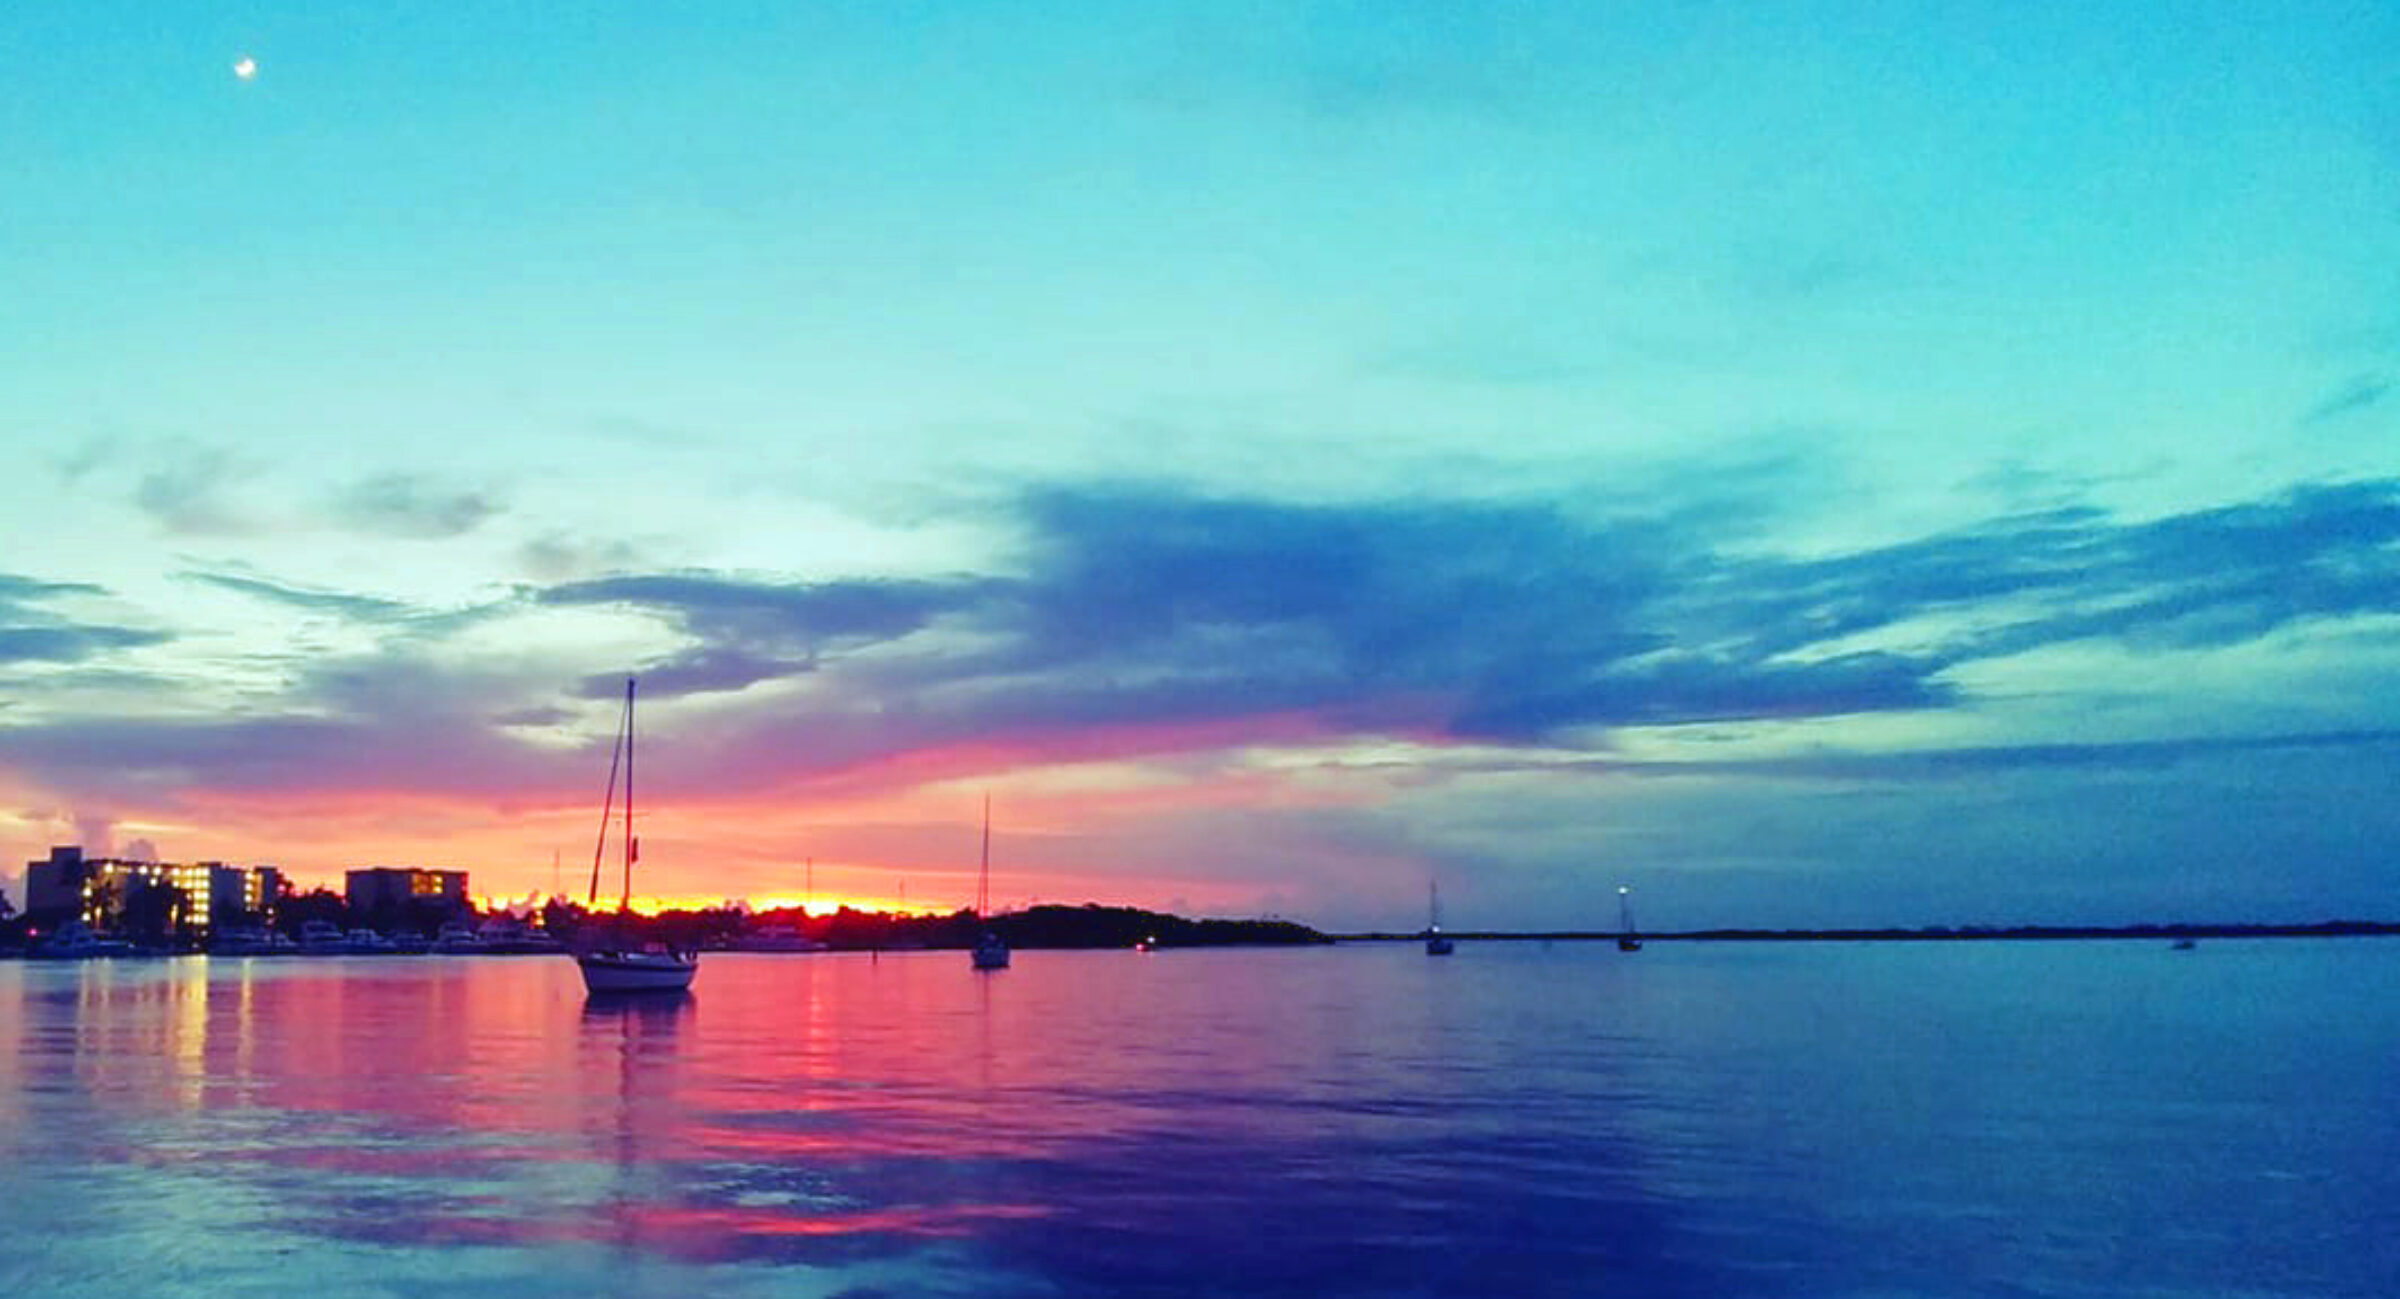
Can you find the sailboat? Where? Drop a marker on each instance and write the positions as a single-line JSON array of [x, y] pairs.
[[1435, 944], [991, 953], [616, 963], [1627, 939]]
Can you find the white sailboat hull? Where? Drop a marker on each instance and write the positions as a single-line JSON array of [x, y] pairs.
[[636, 971]]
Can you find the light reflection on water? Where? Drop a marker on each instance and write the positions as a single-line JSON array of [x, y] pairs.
[[2082, 1119]]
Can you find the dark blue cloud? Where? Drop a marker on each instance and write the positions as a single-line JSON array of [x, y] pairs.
[[1139, 619], [31, 634], [68, 643], [1508, 621], [748, 631]]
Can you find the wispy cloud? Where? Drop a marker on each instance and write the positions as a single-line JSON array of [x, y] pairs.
[[2208, 577], [16, 590], [1954, 761], [30, 633], [358, 608], [187, 492], [557, 557], [412, 506], [2359, 394]]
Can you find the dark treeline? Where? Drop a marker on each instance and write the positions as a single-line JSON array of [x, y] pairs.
[[1088, 926], [161, 918]]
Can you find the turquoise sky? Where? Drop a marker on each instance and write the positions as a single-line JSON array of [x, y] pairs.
[[1820, 463]]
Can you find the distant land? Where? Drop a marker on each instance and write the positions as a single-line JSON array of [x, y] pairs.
[[1927, 934], [1048, 926]]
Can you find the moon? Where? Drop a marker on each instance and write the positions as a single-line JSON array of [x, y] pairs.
[[245, 67]]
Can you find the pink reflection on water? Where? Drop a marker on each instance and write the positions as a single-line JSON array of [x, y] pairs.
[[794, 1098]]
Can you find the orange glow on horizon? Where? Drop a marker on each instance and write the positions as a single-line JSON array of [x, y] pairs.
[[1075, 821], [651, 905]]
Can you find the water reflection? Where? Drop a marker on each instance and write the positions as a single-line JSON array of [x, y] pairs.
[[1528, 1122], [1167, 1126]]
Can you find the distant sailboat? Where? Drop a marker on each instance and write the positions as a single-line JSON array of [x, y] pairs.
[[617, 963], [1627, 939], [1435, 943], [991, 953]]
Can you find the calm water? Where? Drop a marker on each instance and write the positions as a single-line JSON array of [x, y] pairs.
[[2060, 1119]]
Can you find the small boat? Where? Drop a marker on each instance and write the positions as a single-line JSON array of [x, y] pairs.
[[2183, 944], [251, 941], [1435, 943], [991, 951], [74, 942], [779, 938], [322, 936], [504, 933], [616, 962], [1628, 940], [652, 969], [367, 942]]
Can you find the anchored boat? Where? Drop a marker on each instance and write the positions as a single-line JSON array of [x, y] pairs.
[[617, 961]]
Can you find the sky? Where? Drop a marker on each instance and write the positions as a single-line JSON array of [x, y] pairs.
[[1811, 464]]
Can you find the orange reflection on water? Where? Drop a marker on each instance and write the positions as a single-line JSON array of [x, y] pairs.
[[429, 1100]]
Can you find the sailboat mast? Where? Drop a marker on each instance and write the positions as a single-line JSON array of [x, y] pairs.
[[983, 882], [625, 902], [608, 808], [1624, 909]]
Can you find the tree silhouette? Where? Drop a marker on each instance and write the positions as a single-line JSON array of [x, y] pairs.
[[316, 904], [102, 900], [155, 911]]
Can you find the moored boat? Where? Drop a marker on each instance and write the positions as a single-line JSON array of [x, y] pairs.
[[74, 942], [617, 962], [991, 951], [1435, 943]]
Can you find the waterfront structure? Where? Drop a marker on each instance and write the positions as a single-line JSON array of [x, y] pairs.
[[399, 887], [97, 891], [56, 885]]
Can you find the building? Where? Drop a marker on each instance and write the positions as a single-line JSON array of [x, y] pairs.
[[55, 886], [262, 888], [97, 890], [397, 887]]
